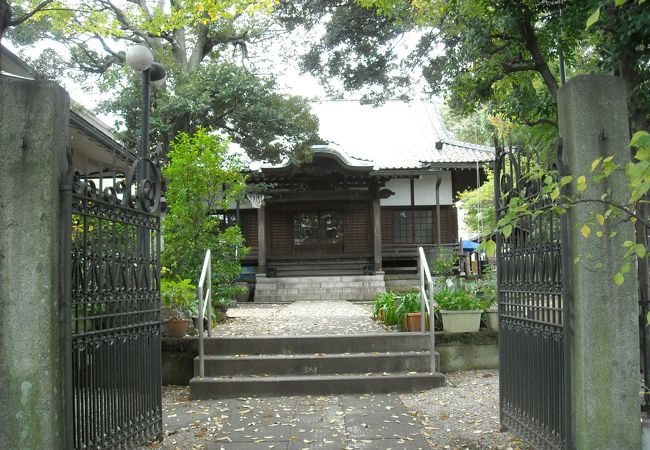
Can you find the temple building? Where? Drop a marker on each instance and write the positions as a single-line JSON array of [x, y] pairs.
[[384, 184]]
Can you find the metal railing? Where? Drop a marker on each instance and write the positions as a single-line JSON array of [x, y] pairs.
[[204, 302], [427, 301]]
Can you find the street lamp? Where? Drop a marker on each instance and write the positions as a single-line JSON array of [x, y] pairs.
[[140, 59]]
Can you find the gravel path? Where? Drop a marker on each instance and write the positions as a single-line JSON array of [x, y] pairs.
[[462, 415], [299, 318]]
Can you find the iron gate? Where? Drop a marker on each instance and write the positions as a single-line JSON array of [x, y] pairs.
[[533, 309], [113, 301]]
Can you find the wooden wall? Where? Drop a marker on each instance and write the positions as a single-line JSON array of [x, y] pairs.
[[356, 226], [448, 223]]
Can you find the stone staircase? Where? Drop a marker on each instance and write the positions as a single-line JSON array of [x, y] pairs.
[[315, 365], [402, 282], [341, 287]]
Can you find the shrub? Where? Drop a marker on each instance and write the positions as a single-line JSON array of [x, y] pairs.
[[178, 297], [444, 261]]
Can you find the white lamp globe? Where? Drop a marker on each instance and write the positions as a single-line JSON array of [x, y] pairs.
[[139, 58]]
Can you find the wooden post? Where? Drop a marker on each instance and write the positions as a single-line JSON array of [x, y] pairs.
[[261, 239], [376, 233]]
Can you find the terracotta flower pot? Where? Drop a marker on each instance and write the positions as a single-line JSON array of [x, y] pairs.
[[176, 328], [413, 322]]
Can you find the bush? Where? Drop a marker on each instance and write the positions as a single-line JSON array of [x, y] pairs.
[[177, 297], [444, 261], [202, 181]]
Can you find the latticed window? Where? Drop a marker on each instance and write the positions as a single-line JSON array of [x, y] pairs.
[[413, 226], [318, 228]]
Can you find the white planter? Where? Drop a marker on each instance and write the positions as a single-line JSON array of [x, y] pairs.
[[492, 319], [461, 321]]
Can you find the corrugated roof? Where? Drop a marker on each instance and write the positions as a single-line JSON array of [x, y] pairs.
[[395, 135]]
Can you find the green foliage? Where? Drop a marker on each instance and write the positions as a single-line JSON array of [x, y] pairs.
[[390, 311], [485, 289], [444, 261], [479, 206], [609, 210], [395, 306], [178, 297], [202, 181], [451, 299], [503, 55], [202, 45], [409, 303], [381, 300], [475, 127]]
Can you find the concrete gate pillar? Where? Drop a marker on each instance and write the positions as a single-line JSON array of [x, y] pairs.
[[604, 339], [34, 121]]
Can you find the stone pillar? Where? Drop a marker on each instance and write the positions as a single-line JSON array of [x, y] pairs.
[[34, 123], [604, 338], [261, 239], [376, 234]]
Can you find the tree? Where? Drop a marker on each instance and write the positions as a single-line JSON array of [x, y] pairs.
[[202, 45], [9, 18], [503, 53], [202, 182], [479, 206]]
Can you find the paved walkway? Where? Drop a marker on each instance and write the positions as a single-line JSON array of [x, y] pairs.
[[461, 415], [299, 318]]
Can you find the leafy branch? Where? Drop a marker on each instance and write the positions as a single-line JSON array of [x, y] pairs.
[[545, 192]]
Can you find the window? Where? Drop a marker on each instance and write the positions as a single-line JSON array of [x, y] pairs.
[[413, 226], [318, 232], [226, 219]]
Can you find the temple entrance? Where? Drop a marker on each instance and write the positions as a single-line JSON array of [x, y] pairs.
[[318, 232]]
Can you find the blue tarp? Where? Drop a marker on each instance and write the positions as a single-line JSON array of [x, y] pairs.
[[470, 246]]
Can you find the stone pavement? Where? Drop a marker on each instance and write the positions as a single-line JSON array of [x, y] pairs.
[[299, 318], [290, 423]]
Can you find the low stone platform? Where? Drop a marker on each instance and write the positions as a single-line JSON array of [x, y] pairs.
[[343, 287]]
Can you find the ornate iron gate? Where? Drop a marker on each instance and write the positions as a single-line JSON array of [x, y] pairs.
[[113, 321], [533, 310]]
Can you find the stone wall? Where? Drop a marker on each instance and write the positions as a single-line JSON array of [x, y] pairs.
[[290, 289]]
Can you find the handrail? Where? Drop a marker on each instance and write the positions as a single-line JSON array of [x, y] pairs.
[[205, 302], [427, 301]]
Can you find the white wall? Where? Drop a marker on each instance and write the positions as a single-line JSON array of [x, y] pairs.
[[424, 188]]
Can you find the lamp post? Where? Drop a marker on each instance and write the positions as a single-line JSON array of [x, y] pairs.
[[140, 59]]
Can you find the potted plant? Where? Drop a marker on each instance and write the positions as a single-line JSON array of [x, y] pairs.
[[390, 315], [409, 311], [177, 299], [492, 317], [485, 290], [460, 312], [379, 304]]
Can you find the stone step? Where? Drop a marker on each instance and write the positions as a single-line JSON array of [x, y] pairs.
[[287, 345], [286, 298], [314, 364], [215, 388]]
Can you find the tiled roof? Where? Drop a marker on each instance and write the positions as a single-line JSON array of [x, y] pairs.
[[395, 135]]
